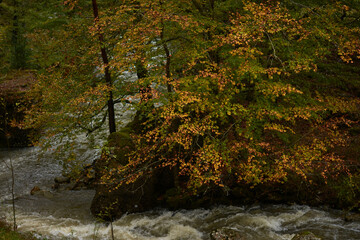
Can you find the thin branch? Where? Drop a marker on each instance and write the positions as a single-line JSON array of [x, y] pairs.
[[90, 130], [274, 50], [227, 131]]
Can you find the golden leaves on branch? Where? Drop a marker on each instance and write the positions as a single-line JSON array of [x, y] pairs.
[[236, 107]]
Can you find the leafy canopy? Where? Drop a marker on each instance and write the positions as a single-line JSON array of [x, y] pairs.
[[233, 92]]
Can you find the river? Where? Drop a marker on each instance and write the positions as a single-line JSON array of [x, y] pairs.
[[65, 214]]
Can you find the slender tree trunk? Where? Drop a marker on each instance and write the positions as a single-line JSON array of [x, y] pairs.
[[168, 76], [11, 168], [167, 66], [111, 110], [168, 57], [17, 51], [14, 38], [112, 229], [13, 194]]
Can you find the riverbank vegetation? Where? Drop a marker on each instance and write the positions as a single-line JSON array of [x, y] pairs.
[[237, 101], [6, 233]]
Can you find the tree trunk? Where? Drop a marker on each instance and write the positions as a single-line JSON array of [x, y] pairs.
[[11, 168], [168, 57], [18, 55], [111, 110], [168, 76]]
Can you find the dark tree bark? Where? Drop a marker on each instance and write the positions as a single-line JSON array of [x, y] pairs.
[[18, 57], [111, 110], [168, 57], [167, 65]]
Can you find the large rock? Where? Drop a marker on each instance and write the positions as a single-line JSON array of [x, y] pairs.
[[112, 200], [110, 204], [61, 180], [40, 192]]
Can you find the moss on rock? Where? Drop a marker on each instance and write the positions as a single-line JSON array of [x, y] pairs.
[[120, 145]]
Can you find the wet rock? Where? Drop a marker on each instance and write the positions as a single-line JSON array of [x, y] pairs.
[[226, 234], [70, 186], [46, 194], [142, 195], [35, 190], [86, 178], [112, 200], [131, 198], [305, 236], [62, 180], [39, 192], [55, 186]]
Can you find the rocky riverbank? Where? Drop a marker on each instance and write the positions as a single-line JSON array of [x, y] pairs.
[[160, 188]]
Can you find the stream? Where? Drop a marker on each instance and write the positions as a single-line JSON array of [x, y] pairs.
[[65, 214]]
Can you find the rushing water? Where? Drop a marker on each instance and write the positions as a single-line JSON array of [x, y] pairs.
[[66, 214]]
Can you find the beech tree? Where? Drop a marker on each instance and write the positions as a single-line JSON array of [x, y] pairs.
[[71, 93], [238, 108], [104, 56], [230, 93]]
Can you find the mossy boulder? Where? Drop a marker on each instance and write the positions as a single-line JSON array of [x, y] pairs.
[[120, 144], [142, 195], [109, 204], [114, 198]]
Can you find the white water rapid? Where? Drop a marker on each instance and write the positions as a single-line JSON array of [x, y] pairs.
[[65, 214]]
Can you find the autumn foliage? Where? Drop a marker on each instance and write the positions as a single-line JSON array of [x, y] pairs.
[[234, 92]]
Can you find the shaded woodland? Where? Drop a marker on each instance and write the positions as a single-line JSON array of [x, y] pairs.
[[236, 101]]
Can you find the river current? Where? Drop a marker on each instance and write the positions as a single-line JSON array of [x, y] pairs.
[[65, 214]]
